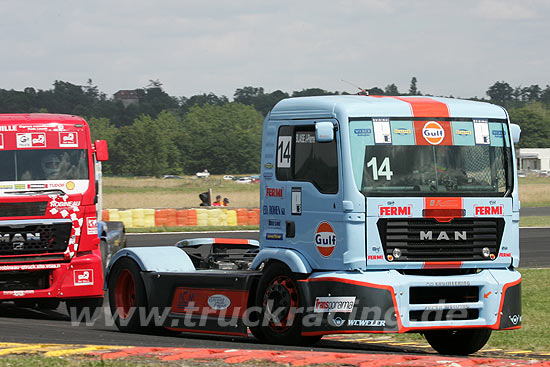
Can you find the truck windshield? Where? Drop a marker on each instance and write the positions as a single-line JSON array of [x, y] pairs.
[[43, 165], [419, 158]]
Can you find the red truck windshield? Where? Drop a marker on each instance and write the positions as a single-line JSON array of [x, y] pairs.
[[43, 165]]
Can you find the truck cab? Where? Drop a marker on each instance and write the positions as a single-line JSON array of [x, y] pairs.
[[49, 243], [415, 196]]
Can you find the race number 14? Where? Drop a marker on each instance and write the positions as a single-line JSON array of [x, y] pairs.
[[284, 151], [383, 170]]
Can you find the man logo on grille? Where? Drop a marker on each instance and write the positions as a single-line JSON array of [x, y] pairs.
[[18, 240], [428, 235]]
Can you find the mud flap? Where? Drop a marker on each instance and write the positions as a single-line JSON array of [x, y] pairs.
[[203, 302], [342, 306], [511, 308]]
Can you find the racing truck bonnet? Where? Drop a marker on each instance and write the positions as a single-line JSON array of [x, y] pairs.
[[378, 215], [49, 243]]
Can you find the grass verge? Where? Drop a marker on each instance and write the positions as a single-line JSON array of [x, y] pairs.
[[542, 221]]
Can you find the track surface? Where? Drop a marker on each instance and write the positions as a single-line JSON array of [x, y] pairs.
[[33, 326]]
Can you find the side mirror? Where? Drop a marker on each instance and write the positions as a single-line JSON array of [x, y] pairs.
[[101, 151], [324, 132], [515, 131]]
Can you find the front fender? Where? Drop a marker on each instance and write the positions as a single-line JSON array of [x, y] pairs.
[[293, 259], [169, 259]]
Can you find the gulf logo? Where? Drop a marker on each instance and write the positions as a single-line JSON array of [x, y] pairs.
[[433, 132], [325, 239]]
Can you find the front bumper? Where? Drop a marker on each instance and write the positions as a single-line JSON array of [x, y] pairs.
[[389, 301], [81, 277]]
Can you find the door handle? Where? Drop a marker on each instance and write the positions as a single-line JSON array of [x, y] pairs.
[[290, 229]]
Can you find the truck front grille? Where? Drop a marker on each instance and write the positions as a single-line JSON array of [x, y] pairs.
[[24, 239], [30, 209], [425, 239], [24, 280]]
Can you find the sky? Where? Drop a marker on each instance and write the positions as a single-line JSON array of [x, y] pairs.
[[457, 48]]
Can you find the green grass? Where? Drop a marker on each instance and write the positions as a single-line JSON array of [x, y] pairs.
[[537, 221], [534, 334]]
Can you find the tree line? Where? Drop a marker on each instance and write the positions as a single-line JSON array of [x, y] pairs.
[[163, 134]]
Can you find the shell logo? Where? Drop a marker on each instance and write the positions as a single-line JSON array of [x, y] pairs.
[[325, 239], [433, 133], [70, 185]]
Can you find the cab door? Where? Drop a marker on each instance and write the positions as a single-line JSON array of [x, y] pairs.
[[313, 220]]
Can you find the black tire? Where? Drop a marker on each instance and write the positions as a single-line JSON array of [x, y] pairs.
[[278, 287], [127, 294], [458, 342], [89, 307]]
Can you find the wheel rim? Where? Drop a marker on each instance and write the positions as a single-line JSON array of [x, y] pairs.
[[281, 293], [125, 293]]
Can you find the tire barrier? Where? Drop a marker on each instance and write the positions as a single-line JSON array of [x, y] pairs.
[[146, 218]]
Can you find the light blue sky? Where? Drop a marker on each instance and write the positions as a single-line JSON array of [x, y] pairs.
[[452, 47]]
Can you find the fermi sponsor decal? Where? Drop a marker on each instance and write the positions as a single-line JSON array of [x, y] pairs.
[[488, 210], [375, 257], [334, 304], [274, 192], [388, 211], [84, 277]]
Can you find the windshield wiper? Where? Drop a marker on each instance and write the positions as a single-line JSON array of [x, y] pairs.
[[37, 192]]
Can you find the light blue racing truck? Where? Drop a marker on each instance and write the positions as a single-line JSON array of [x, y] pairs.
[[378, 215]]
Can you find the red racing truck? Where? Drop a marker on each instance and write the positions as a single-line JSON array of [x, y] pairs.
[[49, 243]]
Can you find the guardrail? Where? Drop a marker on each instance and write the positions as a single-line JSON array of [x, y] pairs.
[[145, 218]]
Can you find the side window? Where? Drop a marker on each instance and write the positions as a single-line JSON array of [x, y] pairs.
[[301, 158]]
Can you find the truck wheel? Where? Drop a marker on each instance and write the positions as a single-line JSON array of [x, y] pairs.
[[80, 306], [278, 296], [458, 342], [127, 295]]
